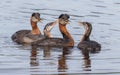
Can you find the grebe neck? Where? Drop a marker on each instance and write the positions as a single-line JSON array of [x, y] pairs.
[[66, 34], [87, 33], [35, 30]]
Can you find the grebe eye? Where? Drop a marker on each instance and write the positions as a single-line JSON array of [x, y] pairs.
[[63, 18]]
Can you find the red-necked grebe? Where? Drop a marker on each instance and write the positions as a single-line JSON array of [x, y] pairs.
[[48, 27], [85, 42], [28, 36], [67, 40]]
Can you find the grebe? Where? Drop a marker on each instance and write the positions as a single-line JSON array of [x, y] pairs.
[[85, 42], [28, 36], [48, 27], [67, 40]]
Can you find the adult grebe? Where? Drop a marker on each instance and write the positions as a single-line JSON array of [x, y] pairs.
[[85, 42], [67, 40], [28, 36]]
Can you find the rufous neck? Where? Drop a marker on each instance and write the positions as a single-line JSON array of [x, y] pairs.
[[66, 34], [35, 30]]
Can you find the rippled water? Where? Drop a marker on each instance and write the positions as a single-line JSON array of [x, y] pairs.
[[25, 60]]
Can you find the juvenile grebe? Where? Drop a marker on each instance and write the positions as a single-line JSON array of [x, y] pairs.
[[28, 36], [85, 42], [67, 40], [48, 27]]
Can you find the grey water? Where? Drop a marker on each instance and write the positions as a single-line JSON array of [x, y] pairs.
[[104, 15]]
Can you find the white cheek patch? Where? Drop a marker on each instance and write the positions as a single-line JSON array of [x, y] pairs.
[[34, 19], [62, 22]]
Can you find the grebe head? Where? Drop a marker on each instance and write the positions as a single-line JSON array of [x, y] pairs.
[[64, 19], [85, 24], [35, 17]]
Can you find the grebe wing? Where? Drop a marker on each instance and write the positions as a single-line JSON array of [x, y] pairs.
[[55, 42], [18, 36], [90, 45]]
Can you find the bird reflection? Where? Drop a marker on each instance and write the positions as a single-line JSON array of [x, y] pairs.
[[34, 60], [46, 52], [33, 57], [62, 66], [86, 57], [87, 61]]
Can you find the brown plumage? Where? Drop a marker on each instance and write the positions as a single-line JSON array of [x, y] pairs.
[[85, 42], [48, 27], [28, 36], [67, 40]]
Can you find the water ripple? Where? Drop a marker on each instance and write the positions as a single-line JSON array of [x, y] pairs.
[[92, 15], [77, 16], [104, 24], [117, 3], [97, 12], [100, 6], [117, 30], [23, 60]]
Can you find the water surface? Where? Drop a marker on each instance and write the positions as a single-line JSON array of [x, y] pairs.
[[26, 60]]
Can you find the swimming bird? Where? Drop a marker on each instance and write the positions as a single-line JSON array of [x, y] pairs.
[[67, 39], [28, 36], [85, 42], [48, 27]]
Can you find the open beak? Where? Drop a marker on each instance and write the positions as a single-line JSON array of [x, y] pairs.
[[80, 23], [40, 20], [68, 22], [64, 22]]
